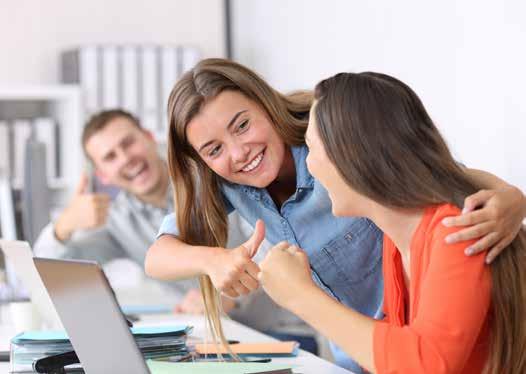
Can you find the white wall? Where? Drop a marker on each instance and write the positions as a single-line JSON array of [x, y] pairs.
[[33, 32], [465, 59]]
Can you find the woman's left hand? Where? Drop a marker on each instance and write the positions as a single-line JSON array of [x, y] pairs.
[[285, 274], [493, 216]]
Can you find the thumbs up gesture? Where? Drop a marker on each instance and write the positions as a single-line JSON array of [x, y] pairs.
[[84, 211], [233, 272]]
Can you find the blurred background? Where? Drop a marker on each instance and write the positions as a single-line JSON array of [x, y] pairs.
[[63, 60]]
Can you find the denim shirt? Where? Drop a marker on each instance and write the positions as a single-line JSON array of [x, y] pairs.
[[345, 253]]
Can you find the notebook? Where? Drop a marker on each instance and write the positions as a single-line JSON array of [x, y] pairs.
[[254, 349]]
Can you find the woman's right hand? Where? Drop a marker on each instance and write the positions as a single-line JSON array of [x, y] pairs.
[[233, 272]]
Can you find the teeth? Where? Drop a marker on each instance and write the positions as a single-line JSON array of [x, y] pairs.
[[254, 164], [135, 171]]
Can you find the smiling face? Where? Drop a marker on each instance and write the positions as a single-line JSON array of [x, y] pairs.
[[125, 156], [345, 200], [235, 138]]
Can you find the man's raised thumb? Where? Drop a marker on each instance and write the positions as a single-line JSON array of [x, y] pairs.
[[82, 186]]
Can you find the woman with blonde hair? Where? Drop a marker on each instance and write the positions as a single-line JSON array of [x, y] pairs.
[[445, 312], [235, 143]]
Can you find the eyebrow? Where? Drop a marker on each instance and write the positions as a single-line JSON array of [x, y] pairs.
[[232, 121]]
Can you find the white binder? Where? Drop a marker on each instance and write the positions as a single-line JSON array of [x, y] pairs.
[[46, 131], [110, 77], [130, 78], [88, 66], [150, 89], [169, 75], [21, 133], [7, 209], [5, 155]]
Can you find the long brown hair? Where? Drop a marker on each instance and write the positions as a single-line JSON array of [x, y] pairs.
[[200, 212], [412, 167]]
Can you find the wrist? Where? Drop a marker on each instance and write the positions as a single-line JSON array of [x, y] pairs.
[[210, 259], [62, 229], [522, 200]]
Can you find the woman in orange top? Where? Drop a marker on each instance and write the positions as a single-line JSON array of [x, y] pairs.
[[376, 150]]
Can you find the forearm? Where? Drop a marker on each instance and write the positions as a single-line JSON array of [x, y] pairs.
[[171, 259], [350, 330], [47, 245]]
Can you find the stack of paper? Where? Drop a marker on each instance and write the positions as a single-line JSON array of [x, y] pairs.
[[154, 342]]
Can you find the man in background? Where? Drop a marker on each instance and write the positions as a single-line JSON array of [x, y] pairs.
[[117, 233]]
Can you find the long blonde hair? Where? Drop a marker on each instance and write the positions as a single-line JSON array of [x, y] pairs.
[[200, 211], [413, 168]]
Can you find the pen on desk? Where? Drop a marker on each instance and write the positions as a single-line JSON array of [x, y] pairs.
[[184, 358]]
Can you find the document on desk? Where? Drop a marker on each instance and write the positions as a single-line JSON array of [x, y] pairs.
[[158, 367], [272, 349]]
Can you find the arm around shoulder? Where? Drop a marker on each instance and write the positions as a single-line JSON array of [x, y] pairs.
[[490, 181]]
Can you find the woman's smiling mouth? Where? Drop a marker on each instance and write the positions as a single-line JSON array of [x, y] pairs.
[[254, 163]]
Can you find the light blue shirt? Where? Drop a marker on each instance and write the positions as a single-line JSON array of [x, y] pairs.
[[345, 253]]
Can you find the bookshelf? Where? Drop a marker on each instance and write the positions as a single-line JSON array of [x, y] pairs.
[[62, 103]]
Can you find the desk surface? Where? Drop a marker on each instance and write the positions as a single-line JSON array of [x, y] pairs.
[[305, 362]]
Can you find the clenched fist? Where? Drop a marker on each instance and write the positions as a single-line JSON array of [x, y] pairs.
[[285, 275]]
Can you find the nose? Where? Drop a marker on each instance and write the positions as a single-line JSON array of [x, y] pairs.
[[123, 157], [239, 152]]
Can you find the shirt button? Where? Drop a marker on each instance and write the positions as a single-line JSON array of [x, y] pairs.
[[348, 236]]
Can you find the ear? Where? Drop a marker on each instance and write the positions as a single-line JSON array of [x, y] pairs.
[[102, 177]]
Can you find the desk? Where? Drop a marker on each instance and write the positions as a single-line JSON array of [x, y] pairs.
[[306, 362]]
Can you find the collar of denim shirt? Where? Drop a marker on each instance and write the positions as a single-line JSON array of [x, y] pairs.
[[304, 180]]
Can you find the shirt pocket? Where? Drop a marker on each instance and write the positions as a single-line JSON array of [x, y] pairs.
[[351, 258], [322, 285]]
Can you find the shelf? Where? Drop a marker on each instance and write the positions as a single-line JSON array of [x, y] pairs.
[[62, 103]]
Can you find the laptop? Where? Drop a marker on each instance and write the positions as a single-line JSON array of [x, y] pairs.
[[20, 257], [91, 316]]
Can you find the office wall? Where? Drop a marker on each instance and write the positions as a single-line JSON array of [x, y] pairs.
[[33, 32], [465, 59]]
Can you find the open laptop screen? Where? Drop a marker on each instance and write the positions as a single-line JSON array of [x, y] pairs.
[[91, 316]]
